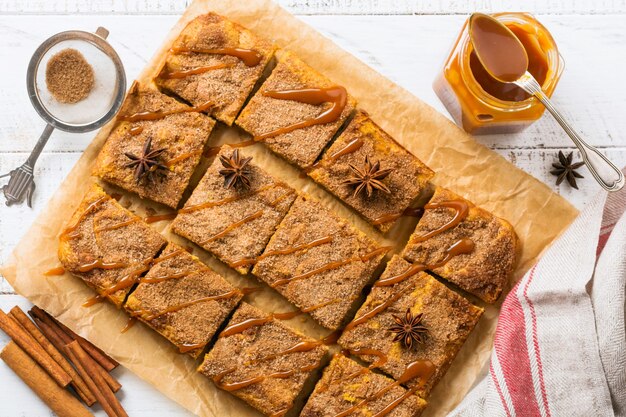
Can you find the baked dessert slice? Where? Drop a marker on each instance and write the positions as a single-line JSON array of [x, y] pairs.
[[448, 219], [297, 111], [351, 390], [155, 146], [234, 223], [183, 299], [439, 319], [263, 362], [363, 150], [215, 60], [319, 262], [107, 246]]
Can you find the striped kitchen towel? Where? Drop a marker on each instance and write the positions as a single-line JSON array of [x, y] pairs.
[[560, 345]]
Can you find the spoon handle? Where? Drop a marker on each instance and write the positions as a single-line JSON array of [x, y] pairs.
[[603, 170]]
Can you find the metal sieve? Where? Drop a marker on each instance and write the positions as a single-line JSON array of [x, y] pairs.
[[100, 106]]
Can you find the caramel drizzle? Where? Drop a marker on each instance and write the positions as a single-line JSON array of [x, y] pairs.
[[422, 369], [391, 217], [461, 209], [211, 151], [331, 338], [462, 246], [126, 282], [100, 264], [232, 227], [160, 217], [209, 204], [382, 359], [291, 314], [249, 57], [330, 266], [182, 157], [156, 115], [243, 144], [172, 309], [244, 220], [71, 231], [192, 71], [286, 251], [234, 386], [337, 96], [188, 347], [129, 324], [350, 147], [156, 280], [59, 270], [302, 346], [136, 130], [242, 326], [117, 225]]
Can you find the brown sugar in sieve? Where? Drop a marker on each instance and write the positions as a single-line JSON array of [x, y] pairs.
[[69, 76]]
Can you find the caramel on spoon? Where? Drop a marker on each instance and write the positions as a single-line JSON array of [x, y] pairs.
[[503, 56]]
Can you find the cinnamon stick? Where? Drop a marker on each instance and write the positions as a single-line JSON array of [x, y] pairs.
[[58, 399], [60, 339], [51, 344], [96, 353], [34, 349], [86, 366]]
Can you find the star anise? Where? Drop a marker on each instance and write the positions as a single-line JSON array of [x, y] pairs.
[[368, 178], [565, 169], [236, 170], [408, 329], [146, 164]]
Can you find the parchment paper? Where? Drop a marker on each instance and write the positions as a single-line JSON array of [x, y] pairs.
[[466, 167]]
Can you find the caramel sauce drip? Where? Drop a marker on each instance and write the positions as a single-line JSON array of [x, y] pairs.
[[178, 307], [302, 346], [418, 369], [391, 217], [117, 225], [160, 217], [136, 130], [156, 115], [350, 147], [249, 57], [100, 264], [330, 266], [59, 270], [129, 324], [211, 151], [243, 144], [461, 209], [382, 359], [235, 386], [209, 204], [156, 280], [337, 96], [462, 246], [286, 251], [170, 255], [70, 232], [126, 282], [232, 227], [182, 157], [188, 347], [241, 327], [288, 315], [331, 338], [192, 71]]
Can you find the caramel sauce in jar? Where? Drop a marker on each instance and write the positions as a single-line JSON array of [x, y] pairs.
[[479, 103]]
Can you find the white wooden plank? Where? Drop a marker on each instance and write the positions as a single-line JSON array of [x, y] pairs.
[[408, 49], [313, 7], [137, 396]]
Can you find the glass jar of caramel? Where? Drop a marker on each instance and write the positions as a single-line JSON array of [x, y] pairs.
[[479, 103]]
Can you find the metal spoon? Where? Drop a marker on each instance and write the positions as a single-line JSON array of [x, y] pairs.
[[487, 35]]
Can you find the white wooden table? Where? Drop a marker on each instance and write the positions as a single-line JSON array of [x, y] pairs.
[[406, 40]]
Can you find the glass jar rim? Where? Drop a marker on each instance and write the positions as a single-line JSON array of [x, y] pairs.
[[553, 59]]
